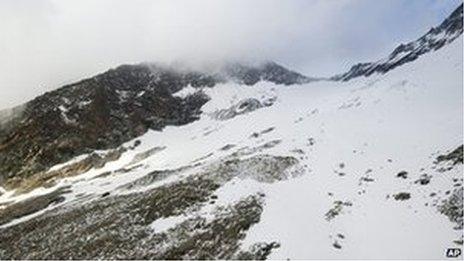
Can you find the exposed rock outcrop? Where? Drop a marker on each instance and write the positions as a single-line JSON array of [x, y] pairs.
[[109, 109], [437, 37]]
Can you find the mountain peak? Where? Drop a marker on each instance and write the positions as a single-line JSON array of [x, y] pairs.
[[267, 71], [108, 109], [434, 39]]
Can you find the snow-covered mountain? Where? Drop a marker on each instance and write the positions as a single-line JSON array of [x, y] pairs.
[[248, 162], [434, 39], [104, 111]]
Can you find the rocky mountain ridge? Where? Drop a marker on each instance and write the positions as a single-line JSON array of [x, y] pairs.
[[434, 39], [365, 169], [109, 109]]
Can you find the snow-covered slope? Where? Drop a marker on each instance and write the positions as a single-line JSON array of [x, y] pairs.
[[434, 39], [342, 170]]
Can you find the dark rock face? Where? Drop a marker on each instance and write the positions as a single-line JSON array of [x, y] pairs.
[[242, 107], [402, 196], [402, 174], [109, 109], [269, 71], [437, 37], [97, 113], [455, 156]]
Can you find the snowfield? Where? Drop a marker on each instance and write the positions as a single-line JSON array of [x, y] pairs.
[[351, 139]]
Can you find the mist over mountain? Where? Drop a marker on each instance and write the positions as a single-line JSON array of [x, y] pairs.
[[242, 158], [46, 44]]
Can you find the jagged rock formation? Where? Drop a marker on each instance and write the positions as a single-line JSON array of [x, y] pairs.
[[263, 172], [270, 71], [97, 113], [437, 37], [104, 111], [242, 107]]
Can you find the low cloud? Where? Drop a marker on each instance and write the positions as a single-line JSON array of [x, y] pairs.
[[47, 43]]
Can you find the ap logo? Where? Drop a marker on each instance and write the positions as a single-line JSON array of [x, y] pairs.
[[453, 252]]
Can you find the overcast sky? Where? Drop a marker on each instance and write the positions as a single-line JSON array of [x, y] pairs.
[[46, 43]]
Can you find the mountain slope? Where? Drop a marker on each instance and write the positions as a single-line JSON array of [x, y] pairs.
[[436, 38], [367, 168], [104, 111]]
